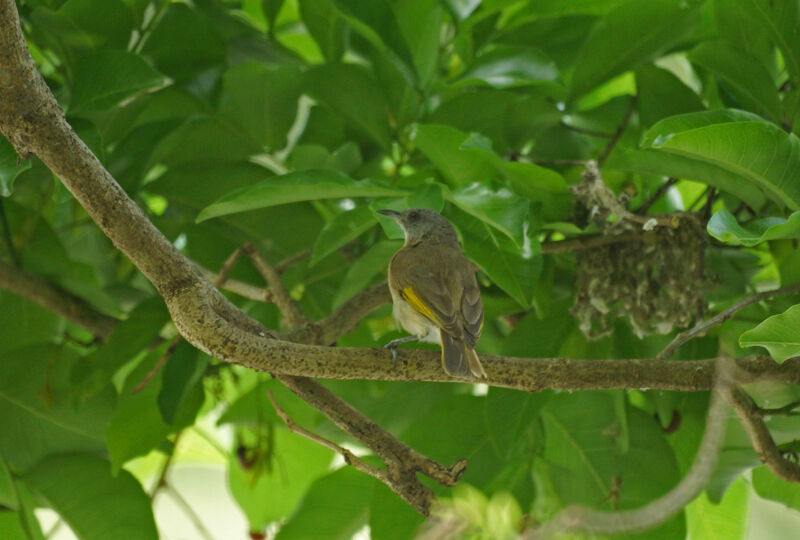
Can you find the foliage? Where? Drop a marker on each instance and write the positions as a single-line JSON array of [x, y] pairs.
[[287, 124]]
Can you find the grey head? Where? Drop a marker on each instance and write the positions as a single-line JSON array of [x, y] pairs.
[[423, 224]]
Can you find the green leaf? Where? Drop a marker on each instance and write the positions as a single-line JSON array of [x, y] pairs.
[[377, 21], [496, 256], [722, 521], [509, 416], [342, 229], [585, 458], [270, 493], [511, 66], [335, 507], [262, 101], [326, 26], [662, 94], [724, 227], [24, 323], [10, 167], [104, 24], [182, 385], [184, 43], [742, 71], [8, 494], [95, 504], [364, 269], [739, 144], [500, 209], [779, 334], [107, 77], [641, 31], [11, 526], [310, 185], [128, 339], [271, 9], [782, 21], [348, 89], [526, 179], [40, 417], [390, 517], [443, 146], [768, 486], [203, 141]]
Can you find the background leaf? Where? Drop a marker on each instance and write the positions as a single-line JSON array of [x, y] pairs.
[[779, 334]]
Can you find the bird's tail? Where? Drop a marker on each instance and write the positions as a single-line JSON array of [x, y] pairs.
[[459, 359]]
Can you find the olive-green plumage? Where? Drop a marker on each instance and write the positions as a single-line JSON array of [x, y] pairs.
[[435, 294]]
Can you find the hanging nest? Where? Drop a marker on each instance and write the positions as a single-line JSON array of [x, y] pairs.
[[657, 279]]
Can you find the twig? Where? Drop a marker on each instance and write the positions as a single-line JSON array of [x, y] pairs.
[[246, 290], [349, 457], [589, 242], [561, 162], [662, 189], [584, 131], [768, 452], [615, 139], [162, 477], [280, 296], [227, 266], [787, 410], [12, 251], [158, 365], [291, 260], [583, 519], [721, 317]]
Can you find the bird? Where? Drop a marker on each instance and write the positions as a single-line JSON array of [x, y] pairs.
[[435, 294]]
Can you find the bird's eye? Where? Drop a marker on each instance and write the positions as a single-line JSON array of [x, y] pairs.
[[413, 216]]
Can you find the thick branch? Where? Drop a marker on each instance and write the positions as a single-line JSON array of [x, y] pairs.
[[768, 452], [56, 300]]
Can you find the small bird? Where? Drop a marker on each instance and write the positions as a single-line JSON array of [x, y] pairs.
[[435, 294]]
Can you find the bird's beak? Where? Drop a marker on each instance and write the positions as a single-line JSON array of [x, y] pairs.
[[390, 213]]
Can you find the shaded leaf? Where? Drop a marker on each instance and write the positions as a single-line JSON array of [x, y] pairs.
[[782, 20], [342, 229], [511, 66], [662, 94], [500, 209], [641, 32], [364, 269], [262, 101], [741, 71], [326, 26], [107, 77], [348, 89], [308, 185], [442, 145]]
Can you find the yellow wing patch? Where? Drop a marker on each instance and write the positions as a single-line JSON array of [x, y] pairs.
[[408, 294]]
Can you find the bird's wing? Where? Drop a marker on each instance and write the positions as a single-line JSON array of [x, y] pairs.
[[442, 287]]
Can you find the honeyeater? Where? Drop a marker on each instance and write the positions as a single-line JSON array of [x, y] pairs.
[[435, 294]]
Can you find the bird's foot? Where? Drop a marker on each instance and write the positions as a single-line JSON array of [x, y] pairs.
[[392, 346]]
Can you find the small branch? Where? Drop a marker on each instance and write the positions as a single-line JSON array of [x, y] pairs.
[[280, 296], [158, 365], [561, 162], [226, 268], [761, 439], [662, 189], [787, 410], [584, 131], [582, 519], [291, 260], [615, 139], [349, 457], [190, 513], [246, 290], [721, 317], [589, 242], [12, 251], [56, 300], [162, 477]]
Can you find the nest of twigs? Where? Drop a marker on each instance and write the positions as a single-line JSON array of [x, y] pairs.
[[657, 280]]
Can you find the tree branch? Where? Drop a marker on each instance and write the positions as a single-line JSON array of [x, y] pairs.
[[703, 326], [768, 452], [620, 130], [280, 296], [56, 300]]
